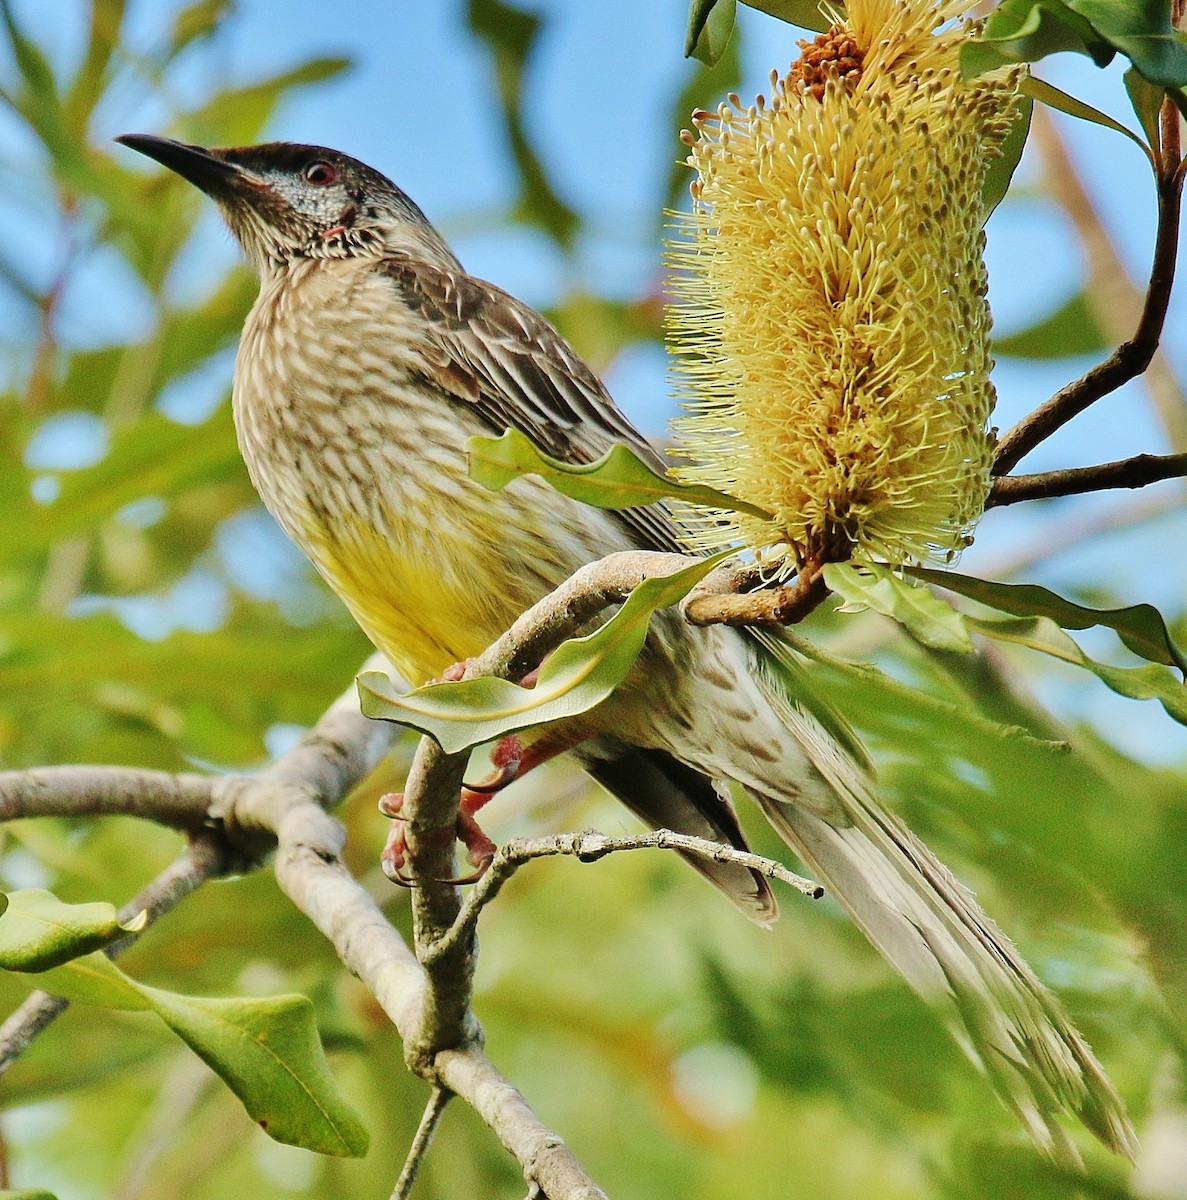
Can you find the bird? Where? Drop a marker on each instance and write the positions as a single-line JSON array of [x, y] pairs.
[[367, 361]]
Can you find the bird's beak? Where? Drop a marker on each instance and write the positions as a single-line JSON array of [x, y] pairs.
[[203, 168]]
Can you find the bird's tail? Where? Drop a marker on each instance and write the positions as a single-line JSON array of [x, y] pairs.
[[933, 932]]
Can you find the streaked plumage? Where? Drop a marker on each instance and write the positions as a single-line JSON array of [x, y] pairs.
[[368, 360]]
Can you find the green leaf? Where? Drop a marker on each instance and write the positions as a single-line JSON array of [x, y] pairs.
[[1054, 97], [94, 74], [579, 674], [1028, 30], [35, 69], [926, 617], [619, 479], [704, 87], [38, 931], [1142, 31], [1146, 99], [237, 116], [511, 36], [1151, 682], [269, 1054], [1070, 330], [26, 1194], [153, 457], [1023, 33], [1139, 626], [95, 980], [196, 21], [710, 26], [806, 14], [265, 1050], [1001, 169]]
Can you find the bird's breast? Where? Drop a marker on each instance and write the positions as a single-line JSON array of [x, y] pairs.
[[362, 462]]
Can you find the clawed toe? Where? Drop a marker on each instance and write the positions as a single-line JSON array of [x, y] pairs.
[[480, 850]]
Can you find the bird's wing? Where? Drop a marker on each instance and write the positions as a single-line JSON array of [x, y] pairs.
[[511, 367]]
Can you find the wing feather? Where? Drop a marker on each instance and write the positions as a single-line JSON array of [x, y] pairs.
[[504, 361]]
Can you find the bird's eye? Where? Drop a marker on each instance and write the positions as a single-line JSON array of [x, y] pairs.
[[321, 173]]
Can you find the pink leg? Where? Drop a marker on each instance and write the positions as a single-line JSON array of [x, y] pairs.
[[510, 760]]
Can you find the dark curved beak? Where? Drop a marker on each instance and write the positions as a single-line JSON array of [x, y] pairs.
[[203, 168]]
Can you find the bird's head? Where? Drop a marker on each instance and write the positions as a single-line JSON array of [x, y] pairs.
[[285, 201]]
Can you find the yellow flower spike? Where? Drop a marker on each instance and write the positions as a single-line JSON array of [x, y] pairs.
[[831, 322]]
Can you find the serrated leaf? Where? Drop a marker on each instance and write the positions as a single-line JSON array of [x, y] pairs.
[[1140, 626], [710, 26], [927, 618], [806, 14], [1151, 682], [617, 480], [579, 674], [266, 1051], [269, 1054], [1053, 97], [1001, 169], [38, 931], [1072, 329]]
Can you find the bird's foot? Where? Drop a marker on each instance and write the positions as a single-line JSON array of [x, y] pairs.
[[457, 671], [454, 672], [508, 759]]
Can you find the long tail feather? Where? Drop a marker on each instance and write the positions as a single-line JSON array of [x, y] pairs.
[[931, 929]]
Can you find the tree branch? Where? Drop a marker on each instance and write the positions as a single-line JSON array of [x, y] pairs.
[[288, 802], [589, 846], [1134, 472], [729, 601], [431, 795], [179, 801], [1128, 361], [429, 1121], [285, 806]]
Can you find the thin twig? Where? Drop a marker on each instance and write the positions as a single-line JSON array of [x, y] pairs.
[[588, 846], [1125, 363], [429, 1121], [203, 859], [1134, 472], [179, 801], [1113, 296]]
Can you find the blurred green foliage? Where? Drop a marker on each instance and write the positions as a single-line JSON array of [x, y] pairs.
[[681, 1051]]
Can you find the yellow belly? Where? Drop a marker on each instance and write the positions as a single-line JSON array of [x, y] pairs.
[[425, 613], [364, 465]]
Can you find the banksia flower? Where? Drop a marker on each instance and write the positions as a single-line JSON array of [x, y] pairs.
[[831, 318]]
